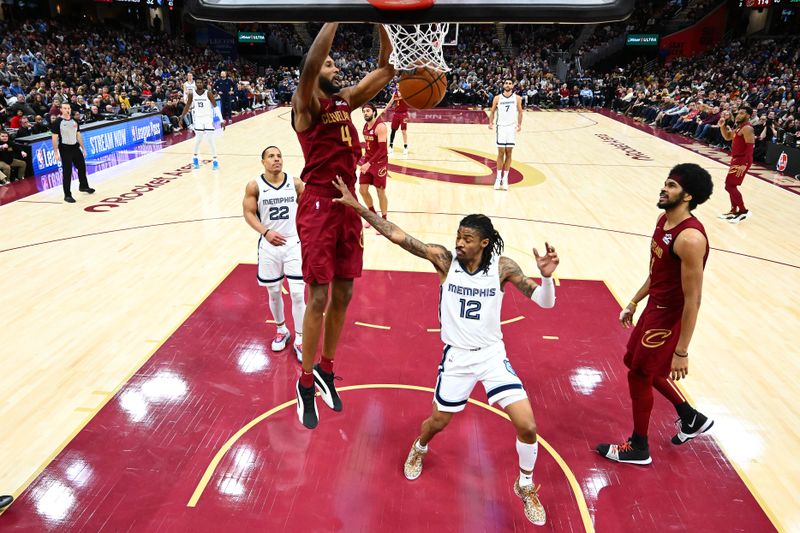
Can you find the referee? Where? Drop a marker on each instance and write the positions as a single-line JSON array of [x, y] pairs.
[[69, 149]]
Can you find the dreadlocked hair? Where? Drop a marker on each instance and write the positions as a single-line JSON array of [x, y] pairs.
[[483, 224]]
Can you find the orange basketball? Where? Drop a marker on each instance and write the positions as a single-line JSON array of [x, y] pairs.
[[423, 87]]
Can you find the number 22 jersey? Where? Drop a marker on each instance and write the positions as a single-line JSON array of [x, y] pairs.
[[331, 146], [277, 206], [469, 306]]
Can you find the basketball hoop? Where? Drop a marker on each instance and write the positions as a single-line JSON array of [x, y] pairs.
[[418, 45]]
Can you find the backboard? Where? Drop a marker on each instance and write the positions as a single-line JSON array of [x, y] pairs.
[[474, 11]]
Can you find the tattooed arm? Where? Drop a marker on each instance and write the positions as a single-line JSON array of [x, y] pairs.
[[510, 272], [435, 253]]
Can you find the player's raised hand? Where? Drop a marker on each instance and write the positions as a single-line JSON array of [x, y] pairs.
[[548, 262], [346, 198]]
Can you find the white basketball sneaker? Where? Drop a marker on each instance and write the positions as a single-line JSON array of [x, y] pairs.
[[280, 341]]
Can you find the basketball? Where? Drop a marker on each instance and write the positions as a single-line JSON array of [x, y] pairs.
[[423, 87]]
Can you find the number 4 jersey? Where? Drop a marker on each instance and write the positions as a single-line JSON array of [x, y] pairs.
[[469, 306], [330, 146], [277, 206]]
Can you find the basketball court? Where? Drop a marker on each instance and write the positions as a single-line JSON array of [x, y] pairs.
[[141, 393]]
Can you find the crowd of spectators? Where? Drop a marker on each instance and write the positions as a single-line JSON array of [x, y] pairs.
[[107, 72], [689, 96]]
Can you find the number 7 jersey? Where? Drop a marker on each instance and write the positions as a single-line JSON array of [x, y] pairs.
[[277, 206], [469, 306], [330, 146]]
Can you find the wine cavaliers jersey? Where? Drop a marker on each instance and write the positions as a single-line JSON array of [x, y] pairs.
[[373, 147], [665, 266], [330, 146], [402, 105], [739, 148]]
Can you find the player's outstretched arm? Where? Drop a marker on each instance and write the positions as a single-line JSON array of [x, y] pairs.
[[545, 294], [376, 80], [435, 253], [315, 58]]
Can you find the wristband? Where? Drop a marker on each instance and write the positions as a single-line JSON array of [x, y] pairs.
[[545, 294], [681, 355], [265, 233]]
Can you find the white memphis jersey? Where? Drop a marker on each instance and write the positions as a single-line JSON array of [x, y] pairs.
[[201, 106], [277, 206], [507, 110], [189, 88], [469, 306]]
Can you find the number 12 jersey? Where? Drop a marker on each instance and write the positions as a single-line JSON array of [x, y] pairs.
[[469, 306]]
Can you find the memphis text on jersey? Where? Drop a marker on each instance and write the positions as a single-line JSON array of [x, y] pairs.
[[469, 291], [276, 201]]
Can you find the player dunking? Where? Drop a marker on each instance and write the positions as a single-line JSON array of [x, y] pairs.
[[744, 139], [399, 119], [202, 104], [471, 296], [331, 235], [374, 168], [270, 208], [508, 107], [658, 348]]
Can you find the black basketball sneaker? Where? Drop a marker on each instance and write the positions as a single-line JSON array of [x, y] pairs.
[[327, 390]]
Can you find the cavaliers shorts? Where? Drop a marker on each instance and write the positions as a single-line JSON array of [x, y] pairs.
[[654, 339], [400, 121], [737, 171], [376, 175], [331, 236], [461, 369]]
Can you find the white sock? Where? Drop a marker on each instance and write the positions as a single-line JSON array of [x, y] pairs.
[[499, 176], [420, 447], [527, 460], [505, 176], [276, 306]]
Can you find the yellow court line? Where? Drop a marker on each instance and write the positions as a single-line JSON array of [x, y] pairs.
[[745, 479], [374, 326], [111, 394], [84, 409], [268, 321], [549, 338], [583, 508], [556, 280], [512, 320], [434, 330]]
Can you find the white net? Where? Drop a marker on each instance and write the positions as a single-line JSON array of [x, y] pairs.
[[418, 45]]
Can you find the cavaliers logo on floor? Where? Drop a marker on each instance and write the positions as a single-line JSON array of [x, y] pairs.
[[519, 175]]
